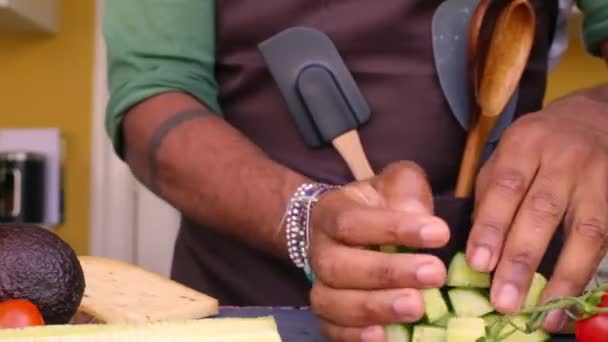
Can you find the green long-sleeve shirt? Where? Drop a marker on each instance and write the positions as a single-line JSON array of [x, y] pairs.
[[156, 46]]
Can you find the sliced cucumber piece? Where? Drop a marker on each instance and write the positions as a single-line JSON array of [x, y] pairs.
[[435, 306], [515, 335], [443, 321], [465, 329], [425, 333], [469, 303], [397, 333], [536, 289], [490, 320], [461, 275]]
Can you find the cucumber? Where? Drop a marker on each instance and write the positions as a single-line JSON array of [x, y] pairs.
[[397, 333], [519, 336], [469, 302], [536, 289], [425, 333], [443, 321], [490, 320], [465, 329], [435, 306], [461, 275]]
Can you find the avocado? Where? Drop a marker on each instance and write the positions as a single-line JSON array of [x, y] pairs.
[[37, 265]]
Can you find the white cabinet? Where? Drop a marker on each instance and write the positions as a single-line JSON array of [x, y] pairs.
[[40, 16]]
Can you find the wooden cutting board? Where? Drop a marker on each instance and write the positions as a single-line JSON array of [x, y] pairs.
[[119, 292]]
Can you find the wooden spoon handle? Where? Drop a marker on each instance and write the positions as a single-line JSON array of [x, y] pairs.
[[349, 147], [476, 142]]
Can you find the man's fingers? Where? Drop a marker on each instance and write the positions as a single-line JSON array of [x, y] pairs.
[[502, 188], [586, 242], [351, 223], [405, 187], [336, 333], [537, 220], [373, 226], [348, 268], [357, 308]]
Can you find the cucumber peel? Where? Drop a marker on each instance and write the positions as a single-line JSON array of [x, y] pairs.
[[443, 321]]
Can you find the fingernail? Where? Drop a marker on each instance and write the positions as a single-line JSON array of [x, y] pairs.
[[403, 307], [432, 232], [508, 296], [372, 334], [428, 274], [480, 260], [556, 320]]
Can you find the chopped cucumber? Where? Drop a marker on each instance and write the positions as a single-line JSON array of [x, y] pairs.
[[491, 318], [491, 322], [461, 275], [466, 314], [435, 306], [443, 321], [515, 335], [397, 333], [465, 329], [425, 333], [469, 303], [536, 289]]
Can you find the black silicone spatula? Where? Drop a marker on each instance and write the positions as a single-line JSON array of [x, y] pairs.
[[321, 94]]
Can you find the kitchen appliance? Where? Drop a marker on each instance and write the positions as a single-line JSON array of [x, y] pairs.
[[22, 187]]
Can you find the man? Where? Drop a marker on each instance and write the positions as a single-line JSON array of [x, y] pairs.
[[197, 116]]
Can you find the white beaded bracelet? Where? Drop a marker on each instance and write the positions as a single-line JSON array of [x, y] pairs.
[[297, 227]]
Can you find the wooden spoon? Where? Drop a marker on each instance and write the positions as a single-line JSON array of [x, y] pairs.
[[494, 77]]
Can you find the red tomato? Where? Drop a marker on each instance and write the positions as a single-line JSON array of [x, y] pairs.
[[19, 313], [594, 328]]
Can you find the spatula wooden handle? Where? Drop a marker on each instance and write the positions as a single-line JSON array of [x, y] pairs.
[[349, 147]]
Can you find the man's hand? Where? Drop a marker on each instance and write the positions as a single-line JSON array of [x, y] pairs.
[[359, 290], [550, 167]]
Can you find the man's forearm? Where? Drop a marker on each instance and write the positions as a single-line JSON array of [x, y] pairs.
[[208, 170]]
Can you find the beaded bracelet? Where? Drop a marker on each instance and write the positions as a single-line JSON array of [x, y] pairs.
[[297, 227]]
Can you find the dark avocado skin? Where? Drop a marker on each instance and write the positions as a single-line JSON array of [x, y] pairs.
[[37, 265]]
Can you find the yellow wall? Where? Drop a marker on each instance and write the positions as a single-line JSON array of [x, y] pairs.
[[577, 69], [47, 82]]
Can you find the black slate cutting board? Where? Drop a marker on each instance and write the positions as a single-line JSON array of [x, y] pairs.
[[299, 325]]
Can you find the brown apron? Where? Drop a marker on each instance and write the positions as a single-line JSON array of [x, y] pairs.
[[388, 50]]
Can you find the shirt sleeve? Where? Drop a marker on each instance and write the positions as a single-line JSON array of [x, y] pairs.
[[156, 46], [595, 24], [560, 40]]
